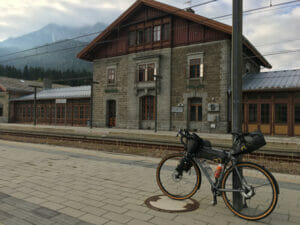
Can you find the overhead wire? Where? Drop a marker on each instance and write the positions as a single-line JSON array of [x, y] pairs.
[[106, 41]]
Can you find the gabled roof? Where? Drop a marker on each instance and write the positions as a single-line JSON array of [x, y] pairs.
[[284, 79], [20, 85], [59, 93], [175, 11]]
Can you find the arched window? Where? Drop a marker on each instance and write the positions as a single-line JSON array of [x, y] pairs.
[[148, 107]]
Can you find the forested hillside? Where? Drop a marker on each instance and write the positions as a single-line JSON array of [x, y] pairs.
[[68, 77]]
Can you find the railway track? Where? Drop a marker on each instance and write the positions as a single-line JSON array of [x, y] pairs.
[[282, 156]]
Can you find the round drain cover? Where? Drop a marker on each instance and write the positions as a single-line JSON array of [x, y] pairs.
[[166, 204]]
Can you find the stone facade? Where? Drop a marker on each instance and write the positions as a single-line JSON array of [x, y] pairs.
[[211, 88], [4, 104], [175, 88], [127, 92]]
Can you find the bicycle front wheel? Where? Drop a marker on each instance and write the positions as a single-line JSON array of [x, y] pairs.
[[259, 194], [176, 186]]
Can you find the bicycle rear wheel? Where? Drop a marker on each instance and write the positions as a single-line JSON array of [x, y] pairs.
[[260, 192], [174, 185]]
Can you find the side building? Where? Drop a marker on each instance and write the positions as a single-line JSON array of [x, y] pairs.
[[272, 102], [58, 106], [11, 88], [157, 64]]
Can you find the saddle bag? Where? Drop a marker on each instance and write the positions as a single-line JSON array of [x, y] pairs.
[[253, 141]]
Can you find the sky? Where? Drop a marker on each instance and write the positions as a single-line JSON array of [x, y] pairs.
[[271, 30]]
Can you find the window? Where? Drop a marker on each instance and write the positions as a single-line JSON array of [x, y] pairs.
[[1, 110], [156, 33], [196, 109], [28, 111], [87, 112], [150, 72], [69, 112], [58, 112], [111, 75], [146, 72], [280, 113], [252, 113], [195, 68], [48, 112], [132, 38], [142, 72], [140, 37], [265, 113], [148, 35], [148, 107], [165, 32], [81, 112], [42, 111], [297, 113], [76, 112]]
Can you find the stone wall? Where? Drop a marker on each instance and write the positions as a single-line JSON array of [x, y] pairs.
[[127, 91], [175, 89], [4, 101], [212, 88]]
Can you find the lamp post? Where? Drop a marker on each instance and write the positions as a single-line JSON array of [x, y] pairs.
[[34, 112], [92, 102], [156, 79], [236, 83]]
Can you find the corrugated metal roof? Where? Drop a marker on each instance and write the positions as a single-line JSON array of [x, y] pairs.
[[20, 85], [284, 79], [56, 93]]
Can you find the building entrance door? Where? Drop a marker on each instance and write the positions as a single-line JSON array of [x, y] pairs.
[[111, 105]]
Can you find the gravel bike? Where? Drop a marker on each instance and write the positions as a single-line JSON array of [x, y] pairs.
[[249, 190]]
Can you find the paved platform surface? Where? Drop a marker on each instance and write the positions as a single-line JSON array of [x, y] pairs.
[[42, 184]]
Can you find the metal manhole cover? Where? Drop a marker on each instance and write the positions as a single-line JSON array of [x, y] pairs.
[[166, 204]]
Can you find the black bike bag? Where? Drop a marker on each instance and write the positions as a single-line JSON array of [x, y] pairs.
[[251, 142], [202, 149]]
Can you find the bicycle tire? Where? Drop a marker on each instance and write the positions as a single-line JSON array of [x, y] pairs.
[[268, 189], [166, 170]]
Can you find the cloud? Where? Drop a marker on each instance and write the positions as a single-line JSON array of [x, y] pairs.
[[265, 27]]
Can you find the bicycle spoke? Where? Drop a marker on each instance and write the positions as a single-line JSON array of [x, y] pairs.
[[258, 192], [261, 185]]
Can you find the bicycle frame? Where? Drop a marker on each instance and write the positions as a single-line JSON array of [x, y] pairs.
[[215, 185]]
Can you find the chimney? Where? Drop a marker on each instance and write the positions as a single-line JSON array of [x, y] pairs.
[[190, 10], [47, 83]]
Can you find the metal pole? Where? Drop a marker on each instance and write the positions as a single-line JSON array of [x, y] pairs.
[[91, 105], [35, 88], [92, 102], [236, 83], [155, 127], [34, 106]]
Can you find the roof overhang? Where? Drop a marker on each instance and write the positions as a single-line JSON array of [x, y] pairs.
[[83, 54]]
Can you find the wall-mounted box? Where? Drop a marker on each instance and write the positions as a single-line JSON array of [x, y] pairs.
[[213, 107]]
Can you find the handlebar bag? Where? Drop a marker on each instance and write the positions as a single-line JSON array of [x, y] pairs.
[[194, 143]]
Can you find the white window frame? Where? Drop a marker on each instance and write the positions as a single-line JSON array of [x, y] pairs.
[[114, 67], [146, 70], [198, 55], [157, 33]]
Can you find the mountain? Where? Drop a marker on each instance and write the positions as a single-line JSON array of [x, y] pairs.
[[60, 56], [50, 34]]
